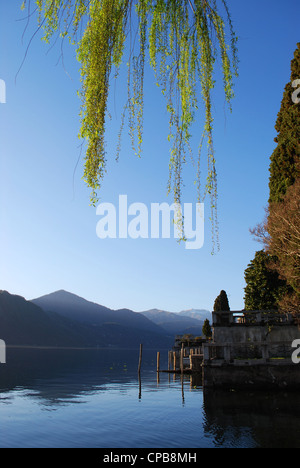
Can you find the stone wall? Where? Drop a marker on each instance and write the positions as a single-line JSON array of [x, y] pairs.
[[242, 334], [253, 376], [251, 350]]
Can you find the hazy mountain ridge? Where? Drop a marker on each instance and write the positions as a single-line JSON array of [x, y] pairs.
[[24, 323], [186, 321], [63, 319], [198, 314], [76, 308]]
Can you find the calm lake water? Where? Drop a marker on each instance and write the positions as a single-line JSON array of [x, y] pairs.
[[52, 398]]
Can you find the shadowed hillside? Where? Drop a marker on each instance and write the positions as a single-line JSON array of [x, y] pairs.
[[70, 321]]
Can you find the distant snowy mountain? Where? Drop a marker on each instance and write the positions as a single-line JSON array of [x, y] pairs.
[[190, 321], [198, 314]]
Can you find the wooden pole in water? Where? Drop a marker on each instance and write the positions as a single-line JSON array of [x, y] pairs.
[[181, 358], [140, 387], [158, 361], [140, 358]]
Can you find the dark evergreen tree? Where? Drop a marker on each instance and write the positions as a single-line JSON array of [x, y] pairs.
[[263, 288], [221, 302], [284, 166], [206, 329]]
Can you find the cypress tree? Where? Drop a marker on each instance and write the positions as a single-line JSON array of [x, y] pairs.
[[206, 329], [284, 166], [221, 302]]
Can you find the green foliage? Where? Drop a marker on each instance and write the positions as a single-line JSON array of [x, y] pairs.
[[206, 329], [221, 302], [285, 160], [279, 233], [183, 38], [263, 288]]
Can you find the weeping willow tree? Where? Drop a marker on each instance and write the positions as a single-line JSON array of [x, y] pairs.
[[181, 39]]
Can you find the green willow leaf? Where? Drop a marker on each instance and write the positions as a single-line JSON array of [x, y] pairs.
[[181, 39]]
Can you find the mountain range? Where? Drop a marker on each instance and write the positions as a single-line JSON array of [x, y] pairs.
[[63, 319], [184, 322]]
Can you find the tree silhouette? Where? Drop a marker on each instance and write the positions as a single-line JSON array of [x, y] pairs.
[[221, 302]]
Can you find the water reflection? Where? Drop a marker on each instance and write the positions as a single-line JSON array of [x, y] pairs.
[[108, 402], [264, 419], [57, 375]]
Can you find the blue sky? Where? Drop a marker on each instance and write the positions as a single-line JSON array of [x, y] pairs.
[[48, 235]]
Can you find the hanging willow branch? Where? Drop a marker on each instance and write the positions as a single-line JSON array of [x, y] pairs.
[[184, 39]]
